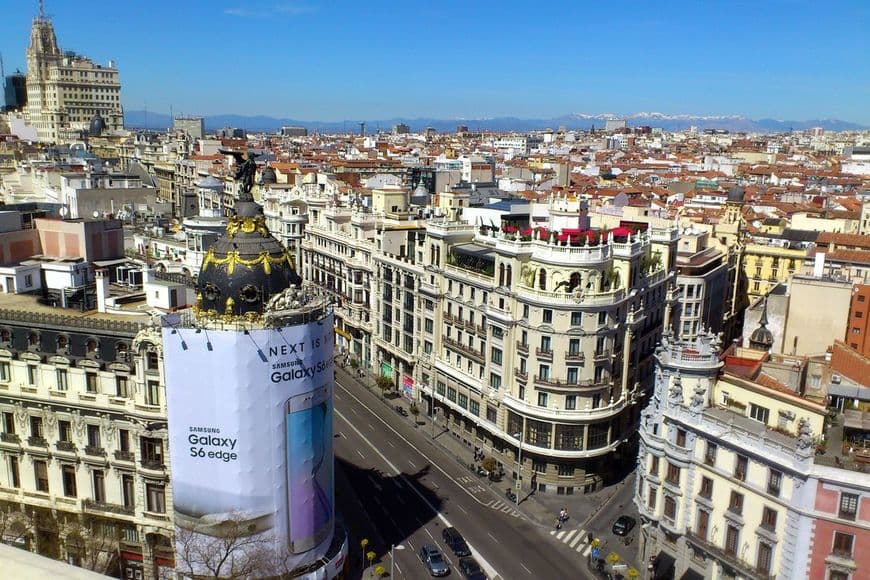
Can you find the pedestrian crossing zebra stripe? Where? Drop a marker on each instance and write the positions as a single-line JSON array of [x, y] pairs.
[[574, 539]]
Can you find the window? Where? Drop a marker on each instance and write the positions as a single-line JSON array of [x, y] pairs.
[[36, 427], [703, 524], [774, 482], [94, 436], [491, 414], [842, 544], [121, 386], [547, 316], [14, 476], [441, 388], [570, 402], [732, 538], [152, 452], [569, 437], [544, 372], [40, 472], [710, 454], [673, 475], [5, 372], [496, 355], [848, 506], [572, 377], [128, 491], [463, 401], [670, 508], [651, 498], [565, 470], [654, 466], [494, 381], [574, 346], [602, 318], [740, 466], [759, 413], [765, 556], [91, 382], [64, 430], [31, 375], [68, 475], [576, 318], [451, 394], [539, 466], [545, 344], [706, 488], [681, 438], [155, 497], [768, 518], [429, 325], [9, 423], [735, 504], [124, 440], [152, 393], [542, 399], [538, 433], [474, 407]]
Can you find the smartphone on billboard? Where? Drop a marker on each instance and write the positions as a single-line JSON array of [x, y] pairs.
[[309, 468]]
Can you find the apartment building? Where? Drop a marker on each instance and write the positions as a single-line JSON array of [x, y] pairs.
[[84, 473], [65, 91], [730, 483], [702, 279], [543, 341]]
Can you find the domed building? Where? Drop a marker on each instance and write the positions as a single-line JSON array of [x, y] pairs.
[[268, 176], [97, 125], [244, 268], [762, 338]]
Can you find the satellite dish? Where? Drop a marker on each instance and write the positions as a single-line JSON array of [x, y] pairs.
[[64, 211], [96, 214]]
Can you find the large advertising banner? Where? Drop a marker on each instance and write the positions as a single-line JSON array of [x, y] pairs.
[[250, 433]]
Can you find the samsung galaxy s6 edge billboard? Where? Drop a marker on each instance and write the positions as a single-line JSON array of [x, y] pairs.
[[250, 427]]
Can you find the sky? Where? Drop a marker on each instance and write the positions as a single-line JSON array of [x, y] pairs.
[[332, 60]]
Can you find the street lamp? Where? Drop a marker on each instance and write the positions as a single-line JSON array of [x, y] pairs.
[[521, 437], [392, 558]]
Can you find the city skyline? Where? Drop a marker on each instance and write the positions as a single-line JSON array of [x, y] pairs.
[[682, 59]]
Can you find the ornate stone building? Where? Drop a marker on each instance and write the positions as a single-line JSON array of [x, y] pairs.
[[84, 475]]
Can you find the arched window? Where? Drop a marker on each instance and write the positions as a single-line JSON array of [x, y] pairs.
[[5, 336], [62, 343], [33, 340], [542, 279], [510, 276], [501, 274]]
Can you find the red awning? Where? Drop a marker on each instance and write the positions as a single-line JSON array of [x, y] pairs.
[[131, 556], [622, 232]]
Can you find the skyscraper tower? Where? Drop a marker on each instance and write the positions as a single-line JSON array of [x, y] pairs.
[[65, 90], [249, 375]]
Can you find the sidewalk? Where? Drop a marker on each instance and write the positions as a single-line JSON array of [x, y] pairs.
[[540, 509]]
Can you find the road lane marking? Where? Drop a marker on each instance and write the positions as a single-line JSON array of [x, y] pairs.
[[524, 568], [586, 551], [371, 427], [390, 443], [560, 534], [352, 410], [569, 536], [360, 454], [576, 540], [488, 568], [412, 464], [429, 534], [493, 537], [462, 509]]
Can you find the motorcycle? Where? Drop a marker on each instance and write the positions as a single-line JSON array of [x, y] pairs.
[[511, 495]]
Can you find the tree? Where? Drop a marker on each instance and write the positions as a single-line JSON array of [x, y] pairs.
[[238, 552], [415, 411], [384, 384], [92, 543], [15, 524]]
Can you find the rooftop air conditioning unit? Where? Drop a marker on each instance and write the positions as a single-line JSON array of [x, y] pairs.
[[836, 379]]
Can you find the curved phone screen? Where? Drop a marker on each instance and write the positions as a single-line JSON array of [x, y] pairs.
[[309, 468]]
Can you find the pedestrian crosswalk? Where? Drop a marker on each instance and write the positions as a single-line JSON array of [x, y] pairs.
[[575, 539]]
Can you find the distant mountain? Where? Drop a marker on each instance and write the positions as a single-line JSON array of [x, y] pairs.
[[142, 119]]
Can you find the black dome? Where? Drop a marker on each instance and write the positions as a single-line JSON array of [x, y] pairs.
[[97, 126], [735, 194], [244, 268], [267, 175]]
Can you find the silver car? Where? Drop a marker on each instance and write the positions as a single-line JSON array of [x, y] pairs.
[[434, 561]]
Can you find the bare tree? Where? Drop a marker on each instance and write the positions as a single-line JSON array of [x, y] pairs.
[[14, 523], [94, 543], [237, 552]]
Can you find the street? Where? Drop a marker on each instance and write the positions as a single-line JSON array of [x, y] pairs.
[[411, 490]]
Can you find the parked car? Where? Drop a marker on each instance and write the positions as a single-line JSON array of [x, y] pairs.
[[623, 525], [434, 561], [471, 569], [455, 541]]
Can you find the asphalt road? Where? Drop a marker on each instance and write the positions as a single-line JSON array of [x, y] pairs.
[[411, 490]]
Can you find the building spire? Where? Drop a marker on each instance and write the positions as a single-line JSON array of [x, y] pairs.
[[42, 9]]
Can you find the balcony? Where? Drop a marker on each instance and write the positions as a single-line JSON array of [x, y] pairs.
[[574, 356], [520, 375], [35, 441], [95, 450], [102, 507], [544, 354], [464, 349], [522, 348], [67, 446], [124, 456], [602, 355], [10, 438], [154, 464], [729, 560]]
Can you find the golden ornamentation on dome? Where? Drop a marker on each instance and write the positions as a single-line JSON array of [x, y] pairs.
[[247, 225], [264, 259]]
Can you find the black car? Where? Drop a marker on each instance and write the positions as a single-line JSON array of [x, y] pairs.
[[455, 541], [471, 569], [623, 525]]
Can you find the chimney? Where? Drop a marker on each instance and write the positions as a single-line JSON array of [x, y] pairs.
[[102, 276]]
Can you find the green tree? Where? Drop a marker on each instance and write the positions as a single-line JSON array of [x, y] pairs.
[[384, 384]]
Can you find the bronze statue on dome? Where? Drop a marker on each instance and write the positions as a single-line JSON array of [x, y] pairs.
[[246, 169]]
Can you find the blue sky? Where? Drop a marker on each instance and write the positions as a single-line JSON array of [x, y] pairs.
[[374, 59]]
